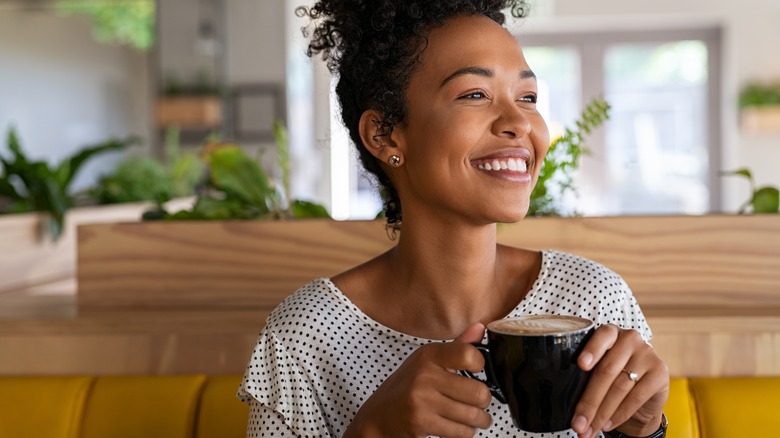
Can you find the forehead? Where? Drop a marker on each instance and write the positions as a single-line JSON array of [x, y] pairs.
[[470, 41]]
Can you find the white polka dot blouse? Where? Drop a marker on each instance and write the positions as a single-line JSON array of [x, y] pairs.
[[319, 357]]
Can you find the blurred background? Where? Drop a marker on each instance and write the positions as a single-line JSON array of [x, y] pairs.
[[675, 73]]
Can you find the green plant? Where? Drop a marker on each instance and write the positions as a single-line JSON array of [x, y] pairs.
[[203, 85], [765, 199], [759, 94], [27, 185], [125, 22], [556, 175], [238, 188], [144, 178]]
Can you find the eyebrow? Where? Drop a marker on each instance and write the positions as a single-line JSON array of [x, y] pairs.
[[484, 72]]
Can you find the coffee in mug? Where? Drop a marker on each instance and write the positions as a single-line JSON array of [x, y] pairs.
[[531, 365]]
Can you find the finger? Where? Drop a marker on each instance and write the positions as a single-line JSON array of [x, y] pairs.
[[621, 387], [456, 356], [474, 333], [468, 391], [603, 340], [468, 415], [654, 382], [602, 378], [609, 384], [446, 427]]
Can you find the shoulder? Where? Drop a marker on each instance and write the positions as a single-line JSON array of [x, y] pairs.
[[314, 303], [573, 284], [571, 268]]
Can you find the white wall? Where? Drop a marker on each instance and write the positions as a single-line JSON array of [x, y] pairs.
[[751, 37], [63, 91], [256, 41]]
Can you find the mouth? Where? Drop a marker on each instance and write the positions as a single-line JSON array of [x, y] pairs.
[[499, 164], [510, 165]]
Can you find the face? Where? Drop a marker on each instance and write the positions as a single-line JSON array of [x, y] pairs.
[[474, 141]]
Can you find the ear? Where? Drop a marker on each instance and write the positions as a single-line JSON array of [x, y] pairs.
[[380, 146]]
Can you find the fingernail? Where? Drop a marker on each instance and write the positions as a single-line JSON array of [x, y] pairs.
[[607, 426], [579, 423], [586, 358]]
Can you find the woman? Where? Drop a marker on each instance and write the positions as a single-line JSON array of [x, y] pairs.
[[441, 104]]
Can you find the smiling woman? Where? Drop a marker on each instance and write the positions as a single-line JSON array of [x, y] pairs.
[[441, 105]]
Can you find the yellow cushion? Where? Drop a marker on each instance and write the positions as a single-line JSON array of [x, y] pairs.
[[737, 407], [42, 406], [681, 411], [221, 414], [143, 406]]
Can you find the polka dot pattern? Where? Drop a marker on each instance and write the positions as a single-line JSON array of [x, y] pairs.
[[320, 357]]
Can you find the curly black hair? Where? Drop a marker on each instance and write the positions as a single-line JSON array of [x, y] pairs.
[[373, 46]]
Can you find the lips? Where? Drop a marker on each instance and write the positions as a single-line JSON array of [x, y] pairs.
[[515, 161]]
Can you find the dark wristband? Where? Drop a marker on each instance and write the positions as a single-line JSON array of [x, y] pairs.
[[660, 433]]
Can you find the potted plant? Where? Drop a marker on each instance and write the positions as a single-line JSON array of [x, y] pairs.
[[142, 177], [759, 104], [27, 185], [197, 105], [238, 188], [38, 218], [764, 199]]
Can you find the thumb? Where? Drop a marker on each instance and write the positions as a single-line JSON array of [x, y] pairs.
[[474, 333]]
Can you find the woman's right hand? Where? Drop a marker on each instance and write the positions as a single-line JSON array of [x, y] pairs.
[[425, 396]]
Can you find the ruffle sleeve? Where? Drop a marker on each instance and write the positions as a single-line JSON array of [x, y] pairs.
[[275, 379]]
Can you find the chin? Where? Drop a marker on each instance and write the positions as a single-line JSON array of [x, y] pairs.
[[513, 216]]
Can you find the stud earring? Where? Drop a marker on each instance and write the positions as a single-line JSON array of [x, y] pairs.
[[394, 160]]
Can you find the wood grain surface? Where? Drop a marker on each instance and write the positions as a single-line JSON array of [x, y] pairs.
[[188, 297], [668, 261], [29, 257]]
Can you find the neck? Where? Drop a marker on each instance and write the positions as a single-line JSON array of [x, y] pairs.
[[447, 276]]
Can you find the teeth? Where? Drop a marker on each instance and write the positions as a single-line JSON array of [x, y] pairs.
[[510, 164]]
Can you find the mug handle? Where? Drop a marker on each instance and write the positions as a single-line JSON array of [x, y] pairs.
[[491, 381]]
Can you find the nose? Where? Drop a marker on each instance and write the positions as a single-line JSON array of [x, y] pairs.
[[511, 121]]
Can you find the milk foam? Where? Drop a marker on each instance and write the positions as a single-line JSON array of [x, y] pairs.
[[539, 324]]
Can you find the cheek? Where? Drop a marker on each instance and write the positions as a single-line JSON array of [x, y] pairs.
[[540, 137]]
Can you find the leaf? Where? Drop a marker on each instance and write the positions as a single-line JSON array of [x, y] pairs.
[[241, 177], [69, 167], [744, 172], [766, 200], [8, 190], [306, 209], [219, 209], [15, 147]]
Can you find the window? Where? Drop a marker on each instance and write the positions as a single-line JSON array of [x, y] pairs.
[[658, 153]]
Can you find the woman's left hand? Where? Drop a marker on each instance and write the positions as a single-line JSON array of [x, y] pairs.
[[612, 400]]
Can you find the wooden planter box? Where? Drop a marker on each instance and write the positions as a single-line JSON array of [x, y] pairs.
[[30, 258], [760, 120], [670, 262], [189, 111]]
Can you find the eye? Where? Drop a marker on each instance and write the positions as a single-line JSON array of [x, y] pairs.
[[530, 98], [473, 95]]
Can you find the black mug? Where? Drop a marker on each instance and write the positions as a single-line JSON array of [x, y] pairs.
[[531, 365]]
